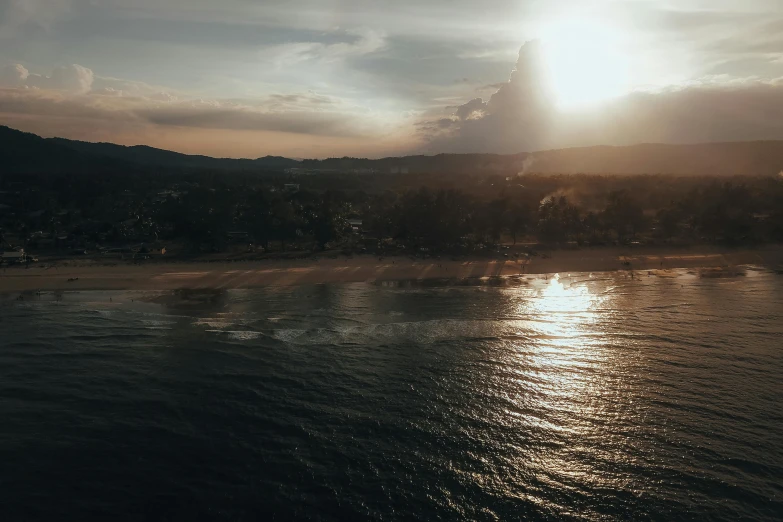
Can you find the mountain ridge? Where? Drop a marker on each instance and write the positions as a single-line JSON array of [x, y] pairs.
[[23, 152]]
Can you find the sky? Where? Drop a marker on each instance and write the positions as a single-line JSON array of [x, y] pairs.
[[372, 78]]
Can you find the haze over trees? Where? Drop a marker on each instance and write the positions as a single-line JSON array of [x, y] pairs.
[[218, 212], [103, 196]]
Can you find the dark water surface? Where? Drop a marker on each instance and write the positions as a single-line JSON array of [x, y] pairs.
[[589, 398]]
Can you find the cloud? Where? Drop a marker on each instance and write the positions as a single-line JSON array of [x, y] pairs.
[[111, 86], [211, 127], [16, 15], [54, 105], [67, 95], [360, 42], [106, 91], [219, 115], [514, 118], [13, 75], [522, 116], [474, 109], [491, 86], [435, 127], [310, 101], [162, 97], [737, 111], [77, 79], [70, 78]]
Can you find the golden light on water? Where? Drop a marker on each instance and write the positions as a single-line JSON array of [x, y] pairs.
[[566, 344], [565, 309], [561, 364], [557, 297]]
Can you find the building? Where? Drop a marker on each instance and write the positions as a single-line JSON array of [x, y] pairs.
[[13, 256], [356, 225]]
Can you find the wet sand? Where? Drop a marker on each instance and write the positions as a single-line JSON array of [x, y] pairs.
[[251, 274]]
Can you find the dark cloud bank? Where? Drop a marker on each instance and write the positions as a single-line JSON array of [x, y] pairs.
[[522, 116]]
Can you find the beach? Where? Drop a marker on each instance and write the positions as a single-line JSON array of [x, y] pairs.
[[87, 275]]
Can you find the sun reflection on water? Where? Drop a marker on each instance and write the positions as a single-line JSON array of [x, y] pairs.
[[565, 345], [563, 362], [564, 310], [557, 297], [562, 349]]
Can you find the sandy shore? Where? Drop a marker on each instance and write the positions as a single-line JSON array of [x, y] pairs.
[[202, 275]]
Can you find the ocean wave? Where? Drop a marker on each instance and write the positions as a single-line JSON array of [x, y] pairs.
[[238, 335]]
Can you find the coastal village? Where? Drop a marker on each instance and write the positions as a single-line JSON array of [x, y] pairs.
[[296, 215]]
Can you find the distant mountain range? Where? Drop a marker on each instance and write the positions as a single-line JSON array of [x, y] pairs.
[[22, 152]]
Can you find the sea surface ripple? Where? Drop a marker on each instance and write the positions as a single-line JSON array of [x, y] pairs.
[[583, 397]]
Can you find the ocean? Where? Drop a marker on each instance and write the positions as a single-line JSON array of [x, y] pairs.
[[581, 397]]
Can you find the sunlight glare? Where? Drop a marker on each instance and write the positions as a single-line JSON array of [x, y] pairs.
[[586, 62], [556, 297]]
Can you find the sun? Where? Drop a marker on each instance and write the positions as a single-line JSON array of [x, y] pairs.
[[586, 62]]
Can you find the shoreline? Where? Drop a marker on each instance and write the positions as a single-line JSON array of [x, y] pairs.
[[254, 274]]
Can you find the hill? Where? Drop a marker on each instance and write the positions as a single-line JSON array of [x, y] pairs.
[[150, 156], [724, 159], [721, 159], [22, 152]]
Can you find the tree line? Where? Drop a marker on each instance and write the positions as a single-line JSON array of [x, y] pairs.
[[440, 213]]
